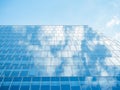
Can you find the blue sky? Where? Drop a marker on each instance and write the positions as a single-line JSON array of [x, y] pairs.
[[102, 15]]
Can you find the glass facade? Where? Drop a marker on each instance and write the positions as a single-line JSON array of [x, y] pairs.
[[60, 57]]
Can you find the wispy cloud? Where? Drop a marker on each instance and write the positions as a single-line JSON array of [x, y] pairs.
[[114, 21], [117, 36]]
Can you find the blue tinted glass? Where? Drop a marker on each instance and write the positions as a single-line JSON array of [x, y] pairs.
[[1, 79], [55, 87], [27, 79], [14, 87], [45, 87], [85, 87], [75, 88], [35, 87], [65, 87], [95, 87], [45, 78], [15, 73], [54, 78], [4, 87], [17, 78], [24, 87], [24, 73], [36, 78], [73, 78], [7, 79], [64, 79], [59, 57]]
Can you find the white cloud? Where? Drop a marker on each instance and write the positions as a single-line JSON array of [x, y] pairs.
[[114, 21], [19, 29], [117, 36], [51, 35], [67, 71]]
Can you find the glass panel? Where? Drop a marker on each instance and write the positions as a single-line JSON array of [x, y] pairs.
[[61, 56], [24, 87], [14, 87], [65, 87], [45, 87], [35, 87]]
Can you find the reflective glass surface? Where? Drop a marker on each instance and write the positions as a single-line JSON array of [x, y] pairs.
[[60, 57]]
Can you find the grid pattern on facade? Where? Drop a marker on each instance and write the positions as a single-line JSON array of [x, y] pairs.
[[57, 58]]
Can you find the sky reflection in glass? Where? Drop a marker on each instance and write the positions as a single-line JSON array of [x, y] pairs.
[[66, 55]]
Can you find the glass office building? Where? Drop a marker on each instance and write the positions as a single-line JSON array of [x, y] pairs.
[[61, 57]]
